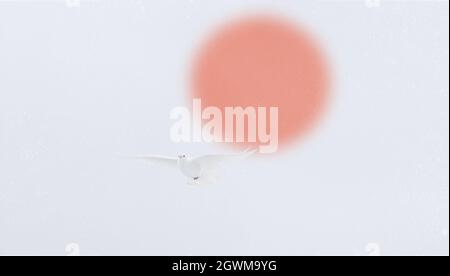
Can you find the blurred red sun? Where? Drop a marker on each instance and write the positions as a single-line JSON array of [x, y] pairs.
[[264, 62]]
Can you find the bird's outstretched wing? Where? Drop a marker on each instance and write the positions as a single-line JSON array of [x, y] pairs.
[[215, 161], [156, 159]]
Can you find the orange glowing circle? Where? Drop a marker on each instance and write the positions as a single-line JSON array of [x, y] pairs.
[[264, 62]]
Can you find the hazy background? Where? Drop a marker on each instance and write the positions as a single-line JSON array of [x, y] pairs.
[[79, 84]]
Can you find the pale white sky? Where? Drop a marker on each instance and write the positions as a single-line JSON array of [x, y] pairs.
[[79, 85]]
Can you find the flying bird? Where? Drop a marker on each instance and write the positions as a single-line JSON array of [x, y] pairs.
[[199, 170]]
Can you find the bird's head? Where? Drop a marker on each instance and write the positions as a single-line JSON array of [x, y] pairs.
[[182, 156]]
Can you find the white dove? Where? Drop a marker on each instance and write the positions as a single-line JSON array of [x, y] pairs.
[[198, 168]]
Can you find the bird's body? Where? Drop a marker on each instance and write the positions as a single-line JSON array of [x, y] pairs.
[[199, 169], [190, 168]]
